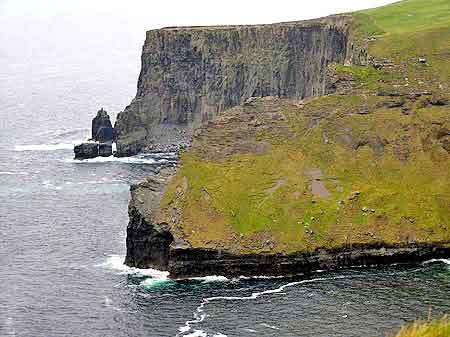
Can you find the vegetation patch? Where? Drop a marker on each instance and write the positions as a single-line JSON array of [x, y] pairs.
[[436, 328]]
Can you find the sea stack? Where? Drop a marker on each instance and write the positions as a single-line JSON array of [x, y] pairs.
[[102, 138], [102, 130]]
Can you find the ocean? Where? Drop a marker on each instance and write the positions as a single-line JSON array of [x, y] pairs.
[[63, 222]]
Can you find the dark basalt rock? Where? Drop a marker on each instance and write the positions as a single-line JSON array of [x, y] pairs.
[[105, 150], [190, 262], [388, 93], [394, 104], [148, 243], [439, 101], [102, 130], [86, 151]]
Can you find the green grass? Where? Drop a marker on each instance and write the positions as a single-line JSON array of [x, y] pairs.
[[436, 328], [410, 16], [407, 30], [246, 194]]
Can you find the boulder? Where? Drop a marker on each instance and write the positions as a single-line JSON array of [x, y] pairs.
[[422, 60], [105, 149], [394, 104], [86, 151], [102, 130], [439, 101], [446, 144]]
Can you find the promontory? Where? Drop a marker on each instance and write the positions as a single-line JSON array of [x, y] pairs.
[[303, 145]]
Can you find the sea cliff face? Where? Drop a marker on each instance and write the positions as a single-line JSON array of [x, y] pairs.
[[190, 74]]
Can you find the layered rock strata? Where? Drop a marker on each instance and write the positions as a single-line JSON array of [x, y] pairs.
[[190, 74]]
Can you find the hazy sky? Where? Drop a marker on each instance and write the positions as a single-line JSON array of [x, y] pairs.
[[182, 12]]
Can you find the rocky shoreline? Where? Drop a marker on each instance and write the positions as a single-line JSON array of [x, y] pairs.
[[184, 263]]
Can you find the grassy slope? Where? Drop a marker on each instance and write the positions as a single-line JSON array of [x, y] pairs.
[[437, 328], [409, 29], [248, 197]]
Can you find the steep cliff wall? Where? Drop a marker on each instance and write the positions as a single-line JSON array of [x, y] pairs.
[[191, 74]]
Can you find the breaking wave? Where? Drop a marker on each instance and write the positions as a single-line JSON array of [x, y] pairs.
[[7, 173], [151, 159], [209, 279], [46, 147], [116, 263], [446, 261]]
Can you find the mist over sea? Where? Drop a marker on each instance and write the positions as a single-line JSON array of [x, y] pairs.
[[63, 222]]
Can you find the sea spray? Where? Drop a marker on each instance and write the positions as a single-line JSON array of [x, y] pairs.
[[116, 263]]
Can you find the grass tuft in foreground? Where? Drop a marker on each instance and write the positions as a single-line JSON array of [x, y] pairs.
[[436, 328]]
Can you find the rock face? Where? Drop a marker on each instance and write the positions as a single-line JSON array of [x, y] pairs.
[[92, 150], [102, 130], [105, 149], [191, 74], [86, 151], [148, 243]]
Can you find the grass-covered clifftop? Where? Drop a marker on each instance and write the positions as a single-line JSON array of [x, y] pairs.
[[368, 165], [436, 328]]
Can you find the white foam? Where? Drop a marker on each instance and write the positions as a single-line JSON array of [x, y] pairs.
[[446, 261], [151, 282], [116, 263], [270, 326], [199, 315], [197, 333], [126, 160], [7, 173], [259, 277], [47, 147], [249, 330], [212, 278], [47, 184], [152, 159], [100, 181]]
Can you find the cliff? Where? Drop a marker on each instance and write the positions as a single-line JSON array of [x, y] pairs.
[[190, 74], [281, 185]]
